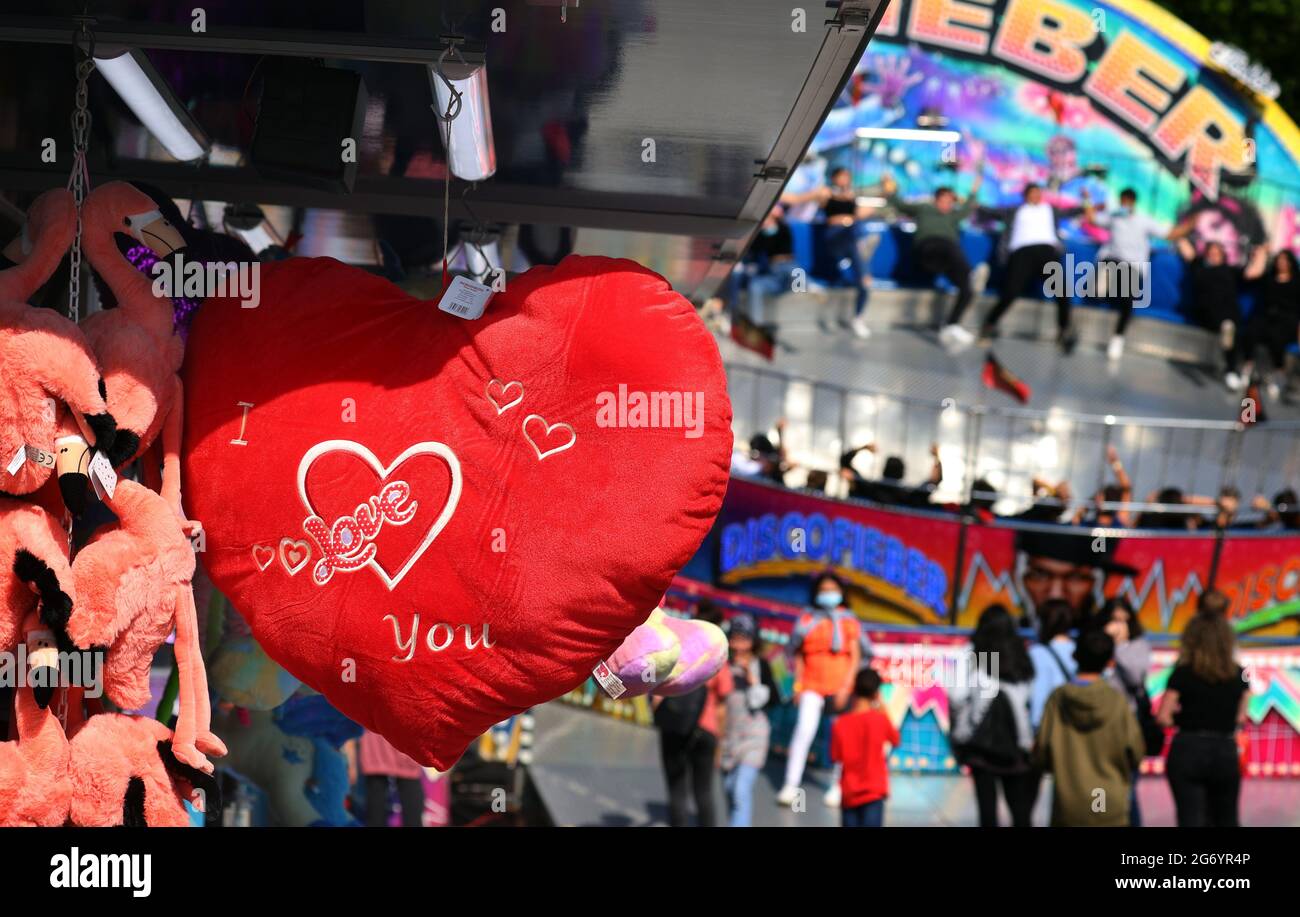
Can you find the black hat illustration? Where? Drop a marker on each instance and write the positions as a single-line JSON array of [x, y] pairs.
[[1083, 549]]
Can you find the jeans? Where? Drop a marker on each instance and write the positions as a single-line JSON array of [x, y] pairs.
[[1026, 264], [688, 770], [739, 784], [410, 796], [842, 245], [870, 815], [944, 258], [1205, 778], [777, 280], [1019, 790]]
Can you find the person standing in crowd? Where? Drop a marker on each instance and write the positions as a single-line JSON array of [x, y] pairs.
[[766, 459], [381, 765], [991, 734], [839, 204], [890, 489], [1205, 699], [827, 650], [1129, 673], [744, 744], [1052, 655], [1275, 323], [689, 728], [1033, 247], [1126, 258], [937, 247], [858, 741], [1090, 742], [1282, 513], [1214, 295], [1168, 517]]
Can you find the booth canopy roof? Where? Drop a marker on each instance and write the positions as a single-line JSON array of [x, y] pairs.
[[721, 88]]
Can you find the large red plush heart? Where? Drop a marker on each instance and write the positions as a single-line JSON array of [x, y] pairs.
[[436, 522]]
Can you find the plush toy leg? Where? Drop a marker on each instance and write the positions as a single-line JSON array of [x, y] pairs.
[[173, 426], [193, 724]]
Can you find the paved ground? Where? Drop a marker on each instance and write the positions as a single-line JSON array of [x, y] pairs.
[[594, 770]]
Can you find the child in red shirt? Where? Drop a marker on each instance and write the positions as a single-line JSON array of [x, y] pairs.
[[858, 742]]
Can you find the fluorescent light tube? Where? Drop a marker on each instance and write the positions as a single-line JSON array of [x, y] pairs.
[[473, 156], [906, 133], [131, 75]]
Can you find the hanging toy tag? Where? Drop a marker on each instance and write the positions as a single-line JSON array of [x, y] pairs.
[[611, 683], [102, 476], [465, 298], [17, 461]]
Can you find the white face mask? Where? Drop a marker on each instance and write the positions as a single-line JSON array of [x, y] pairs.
[[829, 599]]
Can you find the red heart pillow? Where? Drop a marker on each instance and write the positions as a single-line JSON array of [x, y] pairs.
[[438, 523]]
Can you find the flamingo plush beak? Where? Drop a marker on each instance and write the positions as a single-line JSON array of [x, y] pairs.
[[72, 465], [152, 229]]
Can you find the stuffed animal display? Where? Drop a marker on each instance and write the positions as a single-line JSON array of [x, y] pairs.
[[667, 656], [439, 520], [67, 760]]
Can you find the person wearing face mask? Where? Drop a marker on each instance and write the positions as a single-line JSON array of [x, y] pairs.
[[827, 652]]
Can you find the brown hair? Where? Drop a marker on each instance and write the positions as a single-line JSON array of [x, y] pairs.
[[1207, 645], [1213, 602]]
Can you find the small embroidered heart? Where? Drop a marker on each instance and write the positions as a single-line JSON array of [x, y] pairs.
[[502, 392], [260, 551], [294, 555], [565, 440]]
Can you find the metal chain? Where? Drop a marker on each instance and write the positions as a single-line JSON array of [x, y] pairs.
[[453, 111], [79, 180]]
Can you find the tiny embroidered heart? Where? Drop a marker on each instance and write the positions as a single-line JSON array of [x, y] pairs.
[[547, 433], [263, 556], [498, 393], [294, 555]]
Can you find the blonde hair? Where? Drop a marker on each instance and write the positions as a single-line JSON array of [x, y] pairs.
[[1207, 648]]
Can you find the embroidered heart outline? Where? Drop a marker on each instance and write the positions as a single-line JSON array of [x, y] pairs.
[[270, 556], [505, 387], [441, 450], [291, 568], [550, 428]]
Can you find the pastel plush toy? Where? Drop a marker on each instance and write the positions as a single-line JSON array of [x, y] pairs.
[[126, 774], [136, 343], [44, 359], [35, 790], [703, 653], [646, 658], [133, 583]]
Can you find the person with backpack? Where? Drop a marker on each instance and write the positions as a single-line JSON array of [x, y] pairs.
[[826, 645], [1129, 675], [991, 735], [1052, 655], [1090, 742], [689, 727], [745, 741]]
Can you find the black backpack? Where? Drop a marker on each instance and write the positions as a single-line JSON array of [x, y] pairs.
[[680, 715], [1153, 734], [995, 746]]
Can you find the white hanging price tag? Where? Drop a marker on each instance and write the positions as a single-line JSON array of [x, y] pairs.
[[17, 461], [465, 298], [102, 475]]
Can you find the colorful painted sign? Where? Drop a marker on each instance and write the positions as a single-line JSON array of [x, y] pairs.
[[1055, 91]]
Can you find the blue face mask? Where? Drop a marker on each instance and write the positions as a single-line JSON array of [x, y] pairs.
[[830, 599]]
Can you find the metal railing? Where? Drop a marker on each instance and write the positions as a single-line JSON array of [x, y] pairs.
[[1007, 446]]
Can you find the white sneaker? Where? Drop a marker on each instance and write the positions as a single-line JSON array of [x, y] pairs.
[[955, 338], [1232, 381], [832, 797], [1274, 391], [859, 328], [1116, 348], [1227, 334], [787, 796]]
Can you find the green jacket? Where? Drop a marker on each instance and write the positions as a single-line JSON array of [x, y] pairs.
[[1090, 741], [930, 222]]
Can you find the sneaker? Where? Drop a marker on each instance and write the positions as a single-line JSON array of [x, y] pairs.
[[832, 797], [1274, 391], [955, 337], [1231, 379], [1227, 334], [859, 328], [787, 796], [1115, 349]]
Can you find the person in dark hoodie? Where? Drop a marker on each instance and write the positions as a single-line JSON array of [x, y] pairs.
[[1090, 741]]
